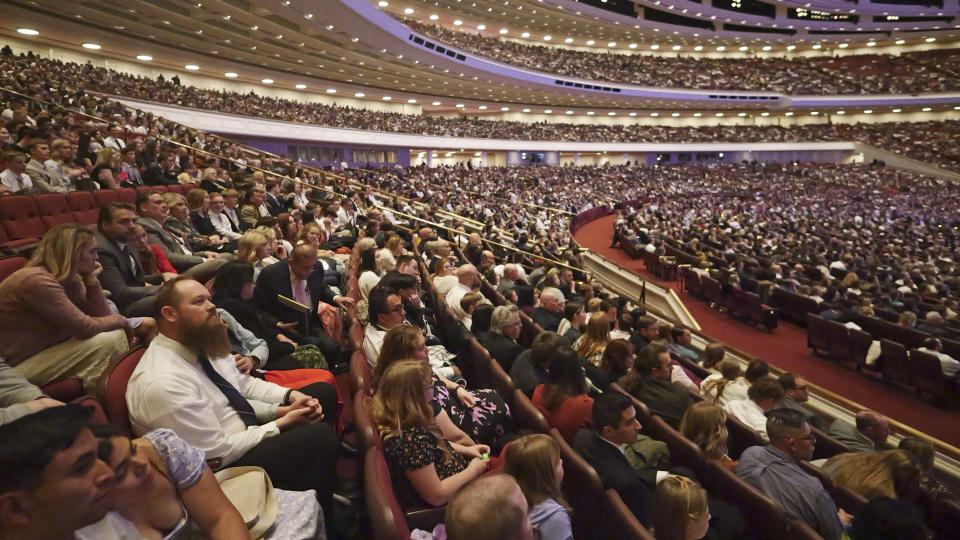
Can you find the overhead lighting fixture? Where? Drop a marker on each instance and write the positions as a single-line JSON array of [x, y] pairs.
[[719, 114], [435, 103], [675, 47], [814, 113], [654, 47], [408, 11], [359, 94], [568, 40], [230, 75], [868, 111], [93, 46], [568, 112], [818, 46], [721, 48], [743, 48], [841, 112], [503, 31], [767, 48], [434, 16], [742, 114], [612, 44], [411, 100], [590, 42], [300, 86], [504, 109], [930, 39], [481, 27], [698, 48], [843, 45], [897, 110], [698, 114], [611, 113], [547, 38], [144, 57], [381, 3], [192, 67], [654, 114], [633, 114], [526, 110], [28, 31], [266, 81], [676, 114], [900, 41], [926, 109], [387, 98], [791, 47], [548, 111], [525, 35], [482, 107], [459, 105], [764, 114], [590, 113], [457, 22], [871, 44]]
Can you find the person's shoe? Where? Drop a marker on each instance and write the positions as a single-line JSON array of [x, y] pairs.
[[348, 449]]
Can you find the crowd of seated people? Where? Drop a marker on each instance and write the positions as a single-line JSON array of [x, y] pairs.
[[910, 73], [66, 84]]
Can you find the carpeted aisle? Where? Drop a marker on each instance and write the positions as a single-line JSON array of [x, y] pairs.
[[786, 348]]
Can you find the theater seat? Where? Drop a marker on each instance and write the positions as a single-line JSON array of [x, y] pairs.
[[929, 378], [526, 415], [826, 446], [500, 381], [741, 437], [366, 430], [816, 333], [799, 530], [104, 197], [65, 390], [683, 451], [360, 373], [386, 516], [583, 490], [53, 209], [764, 514], [127, 195], [113, 389], [528, 330], [20, 217], [894, 364], [623, 524], [83, 206], [9, 265]]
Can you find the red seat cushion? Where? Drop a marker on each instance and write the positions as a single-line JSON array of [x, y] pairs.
[[20, 217], [127, 195], [104, 197], [9, 265], [115, 389], [53, 209], [83, 206]]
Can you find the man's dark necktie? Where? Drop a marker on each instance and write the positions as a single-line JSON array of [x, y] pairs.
[[237, 401]]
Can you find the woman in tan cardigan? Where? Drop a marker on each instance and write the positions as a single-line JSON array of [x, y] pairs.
[[55, 321]]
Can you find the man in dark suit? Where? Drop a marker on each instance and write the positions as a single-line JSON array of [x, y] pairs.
[[501, 340], [274, 204], [299, 279], [161, 173], [130, 289], [667, 399], [550, 312]]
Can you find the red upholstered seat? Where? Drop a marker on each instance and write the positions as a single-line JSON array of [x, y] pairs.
[[53, 209], [20, 217], [9, 265], [366, 430], [127, 195], [83, 206], [104, 197], [114, 389], [386, 516], [65, 390], [360, 373]]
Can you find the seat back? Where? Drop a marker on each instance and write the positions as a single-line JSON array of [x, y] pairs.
[[860, 343], [386, 516], [9, 265], [360, 373], [526, 415], [622, 523], [836, 334], [528, 330], [826, 446], [894, 364], [113, 389], [20, 217], [764, 514], [500, 381], [848, 500], [104, 197], [83, 206], [683, 451], [366, 430], [741, 437], [53, 209], [583, 490], [928, 374], [799, 530], [816, 333], [480, 363], [127, 195]]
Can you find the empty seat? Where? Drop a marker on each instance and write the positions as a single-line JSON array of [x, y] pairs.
[[894, 363], [83, 206], [20, 217], [53, 209], [9, 265], [860, 343], [106, 196], [816, 333], [113, 388], [127, 195], [839, 342]]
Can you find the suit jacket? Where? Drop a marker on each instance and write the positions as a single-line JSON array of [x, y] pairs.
[[249, 215], [669, 400], [615, 472], [201, 222], [125, 282], [547, 320], [848, 434], [275, 280], [155, 176], [171, 248], [503, 349], [275, 205], [43, 180]]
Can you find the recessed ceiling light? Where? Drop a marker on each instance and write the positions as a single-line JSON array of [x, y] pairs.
[[900, 41], [408, 11], [459, 105], [568, 40], [434, 16], [817, 46], [767, 47], [611, 113], [791, 47], [788, 113], [814, 113], [481, 27], [697, 114], [504, 31], [719, 114], [871, 44], [192, 67], [843, 45], [721, 48], [841, 112], [435, 103], [266, 81], [930, 39], [676, 114], [764, 114], [482, 107], [743, 48], [633, 114], [526, 110], [504, 109], [548, 111], [411, 100], [590, 42], [654, 114], [381, 3], [675, 47], [590, 113], [742, 114], [698, 48], [144, 57], [300, 86], [359, 94], [457, 22], [386, 98], [926, 109], [897, 110], [525, 35], [28, 31], [93, 46], [547, 38], [654, 47], [868, 111], [568, 112], [230, 75], [612, 44]]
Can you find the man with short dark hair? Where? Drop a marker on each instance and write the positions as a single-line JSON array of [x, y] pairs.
[[774, 469], [14, 178], [129, 173], [162, 172], [254, 208], [130, 288], [949, 365], [491, 507], [668, 399], [646, 329], [796, 394], [272, 198], [530, 367], [44, 180], [51, 480], [188, 381], [868, 434]]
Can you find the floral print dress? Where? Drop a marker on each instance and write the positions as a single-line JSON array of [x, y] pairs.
[[485, 422]]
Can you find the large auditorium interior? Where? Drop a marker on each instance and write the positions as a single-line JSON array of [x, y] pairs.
[[480, 269]]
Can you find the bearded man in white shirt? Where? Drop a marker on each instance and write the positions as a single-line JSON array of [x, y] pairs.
[[188, 381]]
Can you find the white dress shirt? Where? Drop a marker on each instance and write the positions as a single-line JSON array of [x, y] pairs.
[[748, 412], [221, 223], [948, 364], [453, 298], [15, 181], [169, 389]]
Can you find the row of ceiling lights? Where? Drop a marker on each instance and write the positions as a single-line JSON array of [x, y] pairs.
[[301, 86], [719, 114], [654, 47]]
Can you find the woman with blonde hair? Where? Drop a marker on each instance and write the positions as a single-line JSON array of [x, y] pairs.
[[253, 247], [427, 468], [726, 386], [534, 462], [712, 355], [179, 224], [892, 473], [479, 413], [106, 169], [395, 246], [680, 509], [55, 320], [706, 425], [593, 342]]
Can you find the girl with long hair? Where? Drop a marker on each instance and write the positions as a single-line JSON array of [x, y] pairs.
[[563, 399], [680, 509], [534, 461], [426, 466], [706, 425], [726, 386], [592, 343]]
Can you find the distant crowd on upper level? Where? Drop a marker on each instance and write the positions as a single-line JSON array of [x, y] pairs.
[[910, 73], [66, 83]]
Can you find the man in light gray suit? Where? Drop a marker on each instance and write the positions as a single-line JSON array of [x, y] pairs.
[[868, 435], [44, 181], [153, 211]]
